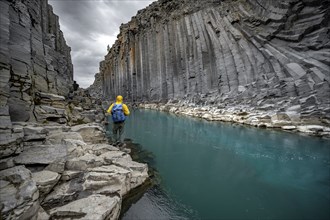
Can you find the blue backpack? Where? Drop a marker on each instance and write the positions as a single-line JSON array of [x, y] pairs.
[[118, 113]]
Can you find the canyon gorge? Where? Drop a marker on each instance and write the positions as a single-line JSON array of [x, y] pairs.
[[256, 62]]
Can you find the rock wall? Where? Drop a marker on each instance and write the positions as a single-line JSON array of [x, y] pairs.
[[55, 161], [95, 90], [239, 52], [35, 64]]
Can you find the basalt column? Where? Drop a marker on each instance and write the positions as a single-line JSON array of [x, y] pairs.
[[246, 50]]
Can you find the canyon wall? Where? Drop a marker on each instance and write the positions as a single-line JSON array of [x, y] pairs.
[[55, 159], [247, 52], [35, 64]]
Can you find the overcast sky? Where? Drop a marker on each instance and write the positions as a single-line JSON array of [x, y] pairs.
[[89, 26]]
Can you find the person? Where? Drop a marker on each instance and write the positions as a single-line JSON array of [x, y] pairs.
[[119, 111]]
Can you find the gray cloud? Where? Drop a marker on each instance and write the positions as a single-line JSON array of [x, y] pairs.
[[89, 26]]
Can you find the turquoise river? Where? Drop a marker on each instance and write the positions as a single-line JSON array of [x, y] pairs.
[[212, 170]]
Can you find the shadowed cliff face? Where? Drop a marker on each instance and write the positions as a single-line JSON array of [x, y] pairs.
[[244, 51], [36, 71], [34, 57]]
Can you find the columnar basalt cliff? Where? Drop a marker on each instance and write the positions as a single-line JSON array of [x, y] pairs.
[[55, 159], [255, 53], [35, 64]]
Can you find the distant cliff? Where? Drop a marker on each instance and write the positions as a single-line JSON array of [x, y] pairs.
[[35, 65], [252, 52]]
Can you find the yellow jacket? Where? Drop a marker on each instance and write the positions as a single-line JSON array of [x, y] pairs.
[[119, 100]]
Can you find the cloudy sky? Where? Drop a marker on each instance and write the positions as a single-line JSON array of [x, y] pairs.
[[89, 26]]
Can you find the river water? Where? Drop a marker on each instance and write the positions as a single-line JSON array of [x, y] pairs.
[[212, 170]]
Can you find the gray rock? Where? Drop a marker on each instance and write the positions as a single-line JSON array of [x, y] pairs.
[[9, 143], [84, 162], [50, 97], [18, 194], [95, 207], [69, 174], [111, 156], [57, 166], [42, 154], [6, 163], [42, 214], [91, 133], [16, 175], [25, 58], [108, 180], [19, 110], [32, 133], [45, 180]]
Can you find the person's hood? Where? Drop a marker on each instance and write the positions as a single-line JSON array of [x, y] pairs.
[[119, 99]]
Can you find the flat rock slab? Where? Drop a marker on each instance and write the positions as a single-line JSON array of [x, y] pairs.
[[111, 156], [45, 180], [84, 162], [91, 133], [42, 154], [110, 169], [108, 180], [93, 207], [99, 149], [45, 177], [131, 165]]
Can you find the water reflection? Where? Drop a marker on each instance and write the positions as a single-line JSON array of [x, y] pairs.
[[156, 204]]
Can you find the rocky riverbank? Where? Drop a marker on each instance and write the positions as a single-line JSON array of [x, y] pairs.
[[68, 170], [266, 116]]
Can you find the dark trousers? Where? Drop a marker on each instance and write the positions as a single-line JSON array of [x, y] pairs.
[[117, 131]]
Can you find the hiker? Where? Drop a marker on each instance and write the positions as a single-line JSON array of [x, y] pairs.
[[118, 112]]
